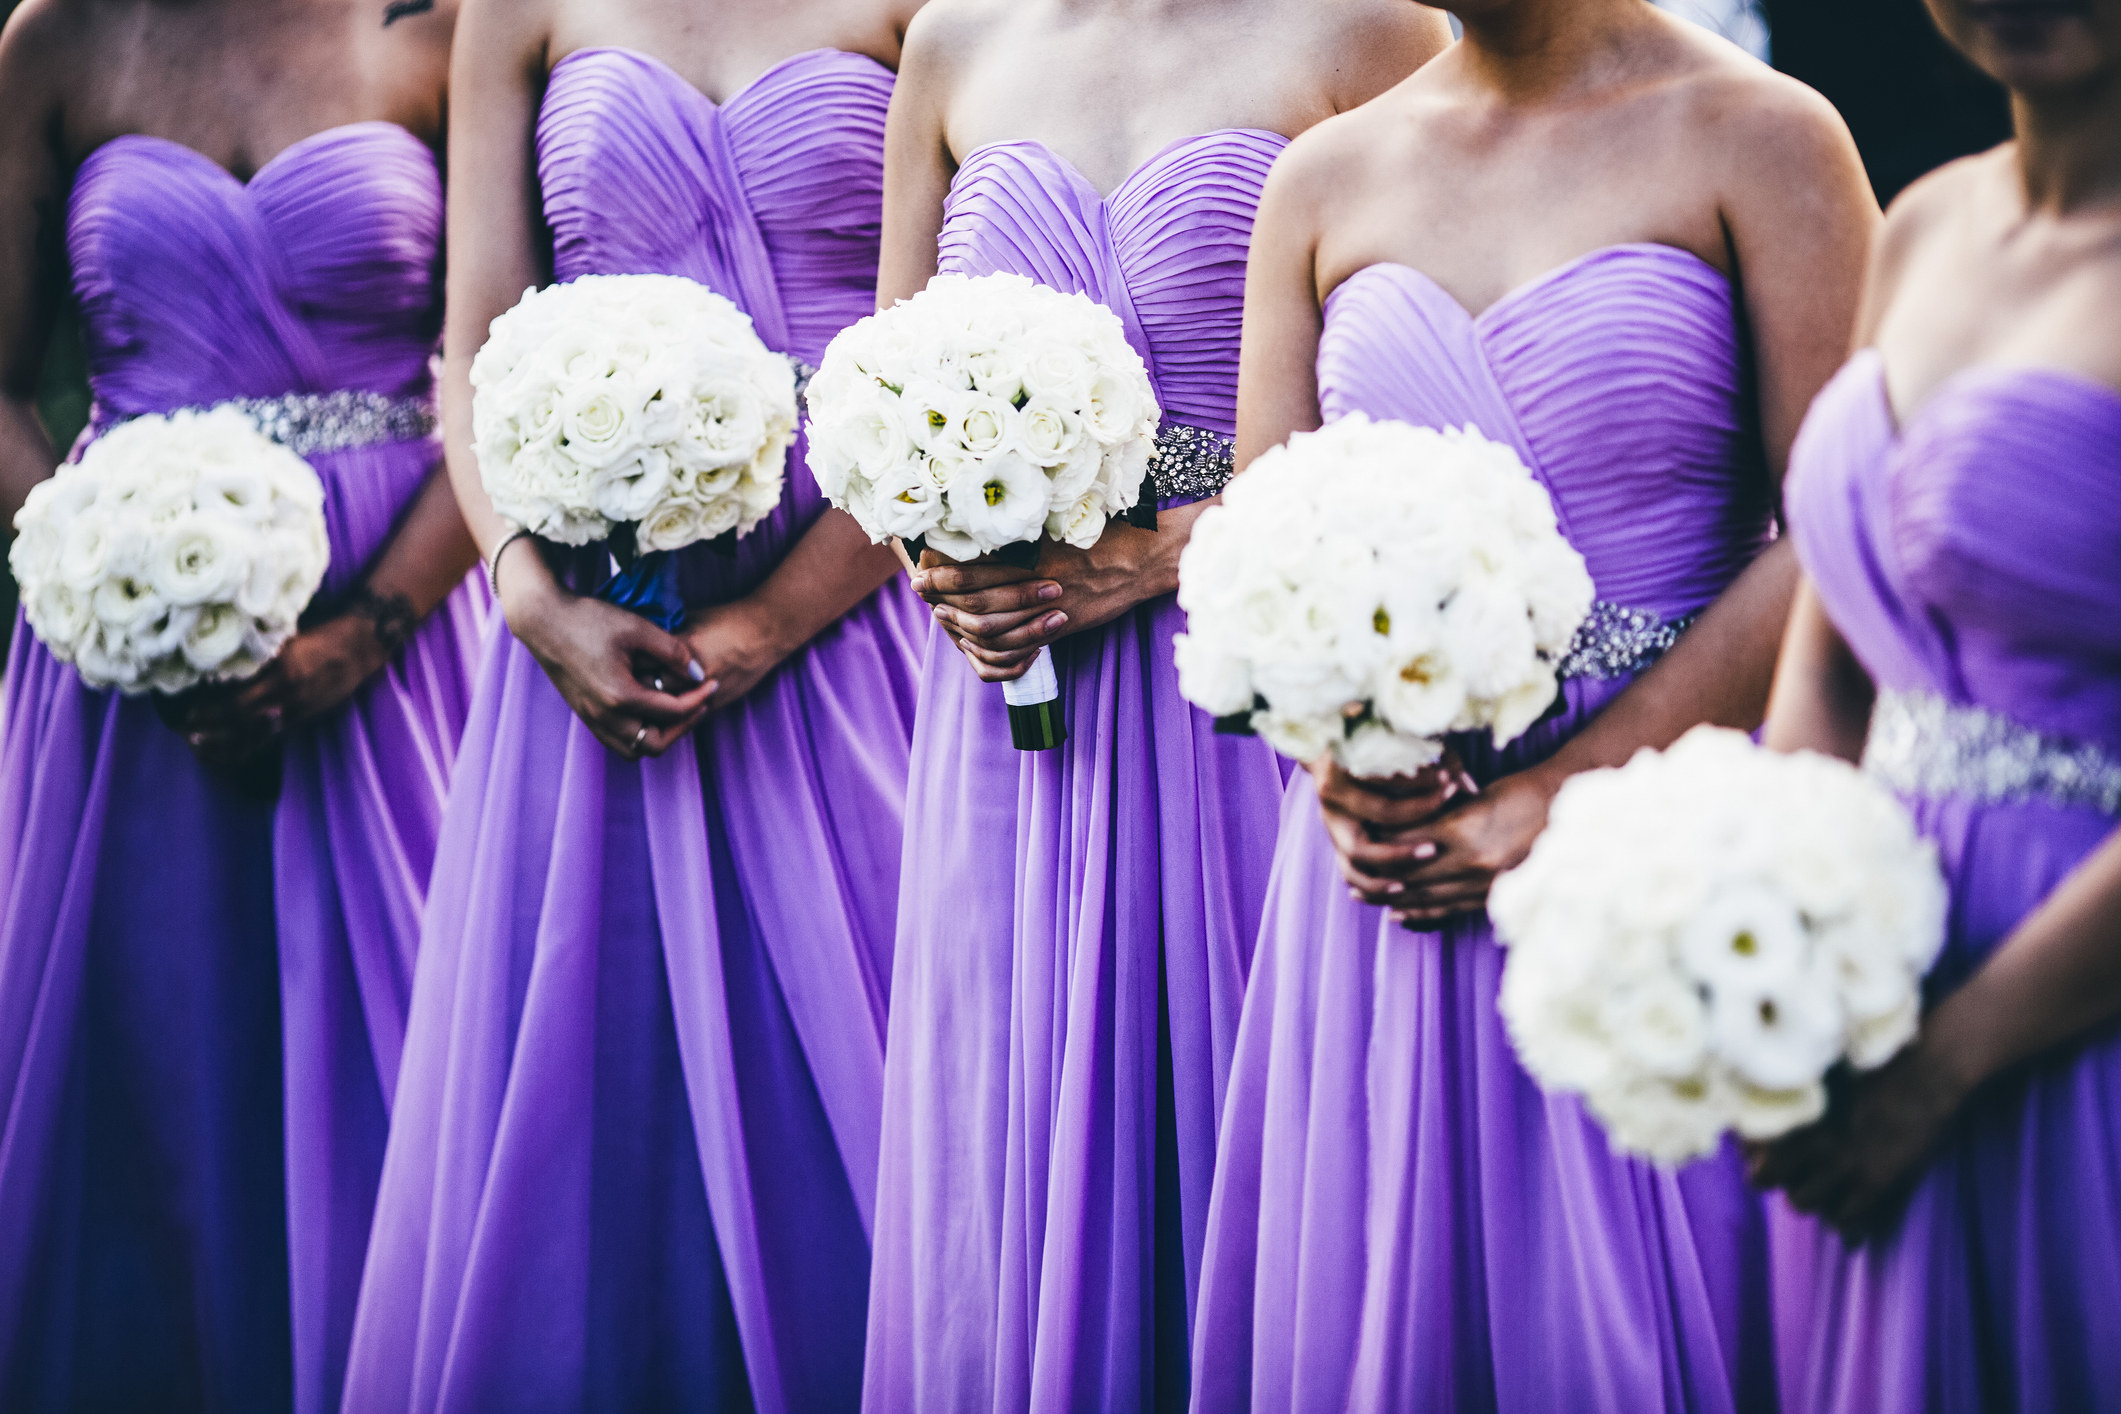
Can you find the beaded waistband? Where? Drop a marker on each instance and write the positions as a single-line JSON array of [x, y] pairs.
[[804, 372], [1920, 744], [309, 423], [1616, 640], [1191, 462]]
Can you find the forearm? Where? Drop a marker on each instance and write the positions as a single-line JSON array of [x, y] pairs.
[[430, 553], [1719, 672], [831, 569], [2055, 980], [26, 456], [1822, 698]]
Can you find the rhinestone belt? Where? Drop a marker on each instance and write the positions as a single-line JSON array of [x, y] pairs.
[[1191, 462], [1615, 641], [804, 372], [1922, 745], [309, 423]]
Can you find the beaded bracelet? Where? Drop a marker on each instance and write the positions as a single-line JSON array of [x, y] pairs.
[[390, 616], [493, 566]]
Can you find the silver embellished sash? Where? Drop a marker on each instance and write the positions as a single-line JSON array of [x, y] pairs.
[[1191, 462], [309, 423], [1920, 744], [804, 372], [1615, 641]]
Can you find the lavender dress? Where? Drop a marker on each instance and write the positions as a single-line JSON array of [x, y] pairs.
[[1973, 562], [203, 995], [1075, 925], [1402, 1219], [634, 1153]]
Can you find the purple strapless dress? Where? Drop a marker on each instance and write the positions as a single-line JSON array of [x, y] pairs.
[[1075, 925], [1973, 563], [202, 996], [1402, 1219], [633, 1159]]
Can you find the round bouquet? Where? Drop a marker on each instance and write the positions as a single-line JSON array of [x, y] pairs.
[[982, 413], [177, 550], [1371, 587], [1701, 935], [641, 410]]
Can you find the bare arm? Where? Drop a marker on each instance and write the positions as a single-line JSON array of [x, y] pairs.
[[1799, 224], [1277, 368], [918, 167], [32, 212], [1822, 696], [595, 653]]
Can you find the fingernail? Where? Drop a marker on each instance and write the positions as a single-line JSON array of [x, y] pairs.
[[1393, 886], [920, 580], [695, 671], [1425, 851], [1049, 591], [1053, 622]]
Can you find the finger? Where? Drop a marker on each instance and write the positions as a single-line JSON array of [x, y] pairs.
[[1008, 632], [1450, 896], [643, 640], [1387, 810], [661, 739], [638, 705], [1388, 859], [992, 672], [1011, 658], [1012, 599], [1367, 888], [1819, 1189], [951, 579]]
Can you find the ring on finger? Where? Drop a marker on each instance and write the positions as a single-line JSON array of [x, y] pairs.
[[640, 738]]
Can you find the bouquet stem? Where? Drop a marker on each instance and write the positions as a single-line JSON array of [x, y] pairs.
[[1036, 722]]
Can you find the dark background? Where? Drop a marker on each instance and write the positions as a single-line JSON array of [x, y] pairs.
[[1910, 101]]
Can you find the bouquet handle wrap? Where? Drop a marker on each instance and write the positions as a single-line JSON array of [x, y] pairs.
[[1036, 722], [648, 585]]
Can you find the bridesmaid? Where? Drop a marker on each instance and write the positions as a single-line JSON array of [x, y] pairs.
[[634, 1158], [1956, 503], [206, 950], [1631, 252], [1076, 925]]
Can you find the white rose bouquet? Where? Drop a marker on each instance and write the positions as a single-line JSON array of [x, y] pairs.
[[1370, 587], [178, 550], [1701, 935], [977, 416], [641, 410]]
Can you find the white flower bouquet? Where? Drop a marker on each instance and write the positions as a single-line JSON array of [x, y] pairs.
[[1370, 587], [982, 413], [1700, 936], [641, 410], [177, 550]]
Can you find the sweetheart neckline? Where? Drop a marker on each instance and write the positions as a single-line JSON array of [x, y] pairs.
[[291, 150], [741, 91], [1545, 279], [1901, 428], [1147, 165]]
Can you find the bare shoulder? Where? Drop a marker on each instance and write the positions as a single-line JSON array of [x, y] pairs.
[[945, 36], [1755, 123], [1344, 158], [505, 31], [1360, 48], [41, 48], [1926, 208]]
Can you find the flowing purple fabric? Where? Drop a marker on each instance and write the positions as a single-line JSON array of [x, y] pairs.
[[1402, 1219], [1976, 555], [1075, 925], [202, 996], [633, 1159]]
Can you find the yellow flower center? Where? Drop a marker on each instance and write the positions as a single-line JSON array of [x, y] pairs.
[[1382, 622], [936, 419], [993, 490], [1745, 945]]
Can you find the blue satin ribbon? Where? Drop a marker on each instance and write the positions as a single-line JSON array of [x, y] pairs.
[[648, 586]]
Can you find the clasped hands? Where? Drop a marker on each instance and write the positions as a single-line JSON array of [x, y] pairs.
[[1428, 847], [1001, 615]]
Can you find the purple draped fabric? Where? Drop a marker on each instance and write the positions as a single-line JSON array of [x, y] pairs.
[[203, 996], [1976, 555], [1402, 1219], [1075, 925], [633, 1158]]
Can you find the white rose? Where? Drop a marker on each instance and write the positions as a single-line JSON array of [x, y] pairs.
[[1298, 738], [1659, 1024], [1376, 752], [61, 617], [598, 426], [1216, 681], [998, 501], [1080, 524], [670, 526], [1780, 1037], [216, 636], [907, 503], [196, 562], [727, 422], [1060, 371], [1114, 407], [983, 424], [1770, 1114], [1745, 937]]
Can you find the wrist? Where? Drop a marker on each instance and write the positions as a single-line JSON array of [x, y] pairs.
[[527, 586], [764, 637], [1952, 1050]]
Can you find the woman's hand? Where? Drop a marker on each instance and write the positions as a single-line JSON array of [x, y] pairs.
[[1000, 616], [736, 645], [315, 672], [637, 688], [1435, 870], [1855, 1166], [1367, 818]]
